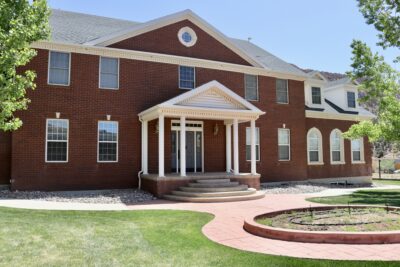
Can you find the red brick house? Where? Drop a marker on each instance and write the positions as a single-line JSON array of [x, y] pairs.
[[162, 100]]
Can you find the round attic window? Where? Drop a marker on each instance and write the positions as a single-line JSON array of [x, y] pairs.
[[187, 36]]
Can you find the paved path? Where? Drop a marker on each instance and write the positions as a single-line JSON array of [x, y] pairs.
[[227, 227]]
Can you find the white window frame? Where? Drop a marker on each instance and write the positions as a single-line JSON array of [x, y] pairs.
[[287, 92], [245, 91], [320, 95], [69, 68], [47, 141], [290, 154], [109, 88], [355, 99], [342, 160], [257, 145], [179, 77], [320, 148], [98, 143], [362, 158]]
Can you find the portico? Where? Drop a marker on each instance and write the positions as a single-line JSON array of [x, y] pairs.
[[211, 101]]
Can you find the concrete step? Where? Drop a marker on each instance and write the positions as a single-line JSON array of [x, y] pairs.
[[211, 185], [256, 195], [213, 189], [214, 194], [212, 181]]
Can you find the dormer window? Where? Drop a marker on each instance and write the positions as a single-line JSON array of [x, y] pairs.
[[351, 99], [316, 95]]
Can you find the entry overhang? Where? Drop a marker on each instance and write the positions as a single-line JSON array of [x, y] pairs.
[[212, 100]]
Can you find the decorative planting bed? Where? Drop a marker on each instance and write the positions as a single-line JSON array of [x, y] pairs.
[[330, 224]]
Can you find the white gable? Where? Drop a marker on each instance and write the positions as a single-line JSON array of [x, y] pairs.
[[212, 98]]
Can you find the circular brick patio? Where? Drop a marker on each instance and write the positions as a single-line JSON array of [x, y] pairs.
[[227, 229]]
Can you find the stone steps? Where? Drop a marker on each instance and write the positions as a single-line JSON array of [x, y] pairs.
[[214, 190], [256, 195], [215, 194], [213, 185]]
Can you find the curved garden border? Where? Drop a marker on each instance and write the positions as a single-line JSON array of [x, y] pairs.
[[332, 237]]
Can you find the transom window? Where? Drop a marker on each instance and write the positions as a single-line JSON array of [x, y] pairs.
[[314, 145], [56, 140], [316, 95], [248, 143], [282, 94], [107, 141], [357, 154], [351, 99], [109, 72], [284, 144], [337, 147], [186, 77], [251, 87], [59, 68]]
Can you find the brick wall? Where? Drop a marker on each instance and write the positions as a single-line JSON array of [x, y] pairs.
[[165, 40], [344, 170], [5, 158]]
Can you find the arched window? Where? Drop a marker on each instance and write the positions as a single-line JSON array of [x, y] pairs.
[[314, 146], [337, 147], [357, 150]]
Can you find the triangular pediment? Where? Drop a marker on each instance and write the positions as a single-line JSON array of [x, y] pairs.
[[212, 98], [213, 95]]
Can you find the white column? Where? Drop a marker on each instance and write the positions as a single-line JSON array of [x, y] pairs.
[[161, 145], [228, 147], [253, 146], [145, 147], [235, 147], [183, 146]]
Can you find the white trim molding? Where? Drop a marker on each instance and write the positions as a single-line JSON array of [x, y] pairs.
[[162, 58], [341, 149]]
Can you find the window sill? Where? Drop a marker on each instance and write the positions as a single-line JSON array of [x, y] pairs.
[[316, 163], [338, 163], [56, 84], [284, 160], [185, 88], [105, 88], [281, 103], [358, 162]]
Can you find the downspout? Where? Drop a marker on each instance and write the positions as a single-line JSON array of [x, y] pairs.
[[141, 170]]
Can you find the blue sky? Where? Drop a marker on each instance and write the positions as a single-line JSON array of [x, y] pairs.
[[309, 33]]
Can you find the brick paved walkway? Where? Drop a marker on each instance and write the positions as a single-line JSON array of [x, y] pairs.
[[227, 229]]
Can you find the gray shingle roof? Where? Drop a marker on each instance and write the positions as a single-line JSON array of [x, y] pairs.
[[79, 28], [266, 59]]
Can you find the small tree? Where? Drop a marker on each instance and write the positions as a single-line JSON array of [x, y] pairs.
[[379, 81], [21, 24]]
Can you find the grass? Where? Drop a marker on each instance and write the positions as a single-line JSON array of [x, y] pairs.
[[386, 182], [125, 238], [370, 197]]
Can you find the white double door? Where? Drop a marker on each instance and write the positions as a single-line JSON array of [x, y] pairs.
[[194, 146]]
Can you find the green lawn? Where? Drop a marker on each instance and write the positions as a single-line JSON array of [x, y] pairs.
[[370, 197], [386, 182], [125, 238]]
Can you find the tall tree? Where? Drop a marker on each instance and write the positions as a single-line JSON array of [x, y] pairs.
[[21, 24], [380, 82]]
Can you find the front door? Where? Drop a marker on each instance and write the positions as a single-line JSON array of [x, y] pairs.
[[194, 146]]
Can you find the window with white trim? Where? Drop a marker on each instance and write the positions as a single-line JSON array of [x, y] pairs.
[[56, 140], [251, 87], [314, 146], [316, 97], [284, 144], [351, 99], [248, 143], [109, 73], [282, 93], [357, 150], [59, 68], [187, 77], [107, 141], [337, 147]]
